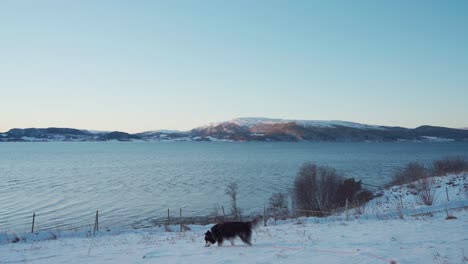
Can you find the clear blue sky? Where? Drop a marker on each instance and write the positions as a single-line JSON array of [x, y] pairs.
[[143, 65]]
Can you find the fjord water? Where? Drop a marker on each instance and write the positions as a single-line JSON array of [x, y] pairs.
[[64, 183]]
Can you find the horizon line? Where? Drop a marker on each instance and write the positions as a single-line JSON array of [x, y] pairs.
[[225, 121]]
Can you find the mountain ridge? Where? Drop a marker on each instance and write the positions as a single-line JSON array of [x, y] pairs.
[[251, 129]]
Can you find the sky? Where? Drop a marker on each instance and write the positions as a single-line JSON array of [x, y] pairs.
[[143, 65]]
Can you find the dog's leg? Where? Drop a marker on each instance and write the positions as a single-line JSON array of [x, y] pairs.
[[220, 242], [245, 239]]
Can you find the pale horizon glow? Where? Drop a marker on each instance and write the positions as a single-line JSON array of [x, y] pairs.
[[136, 66]]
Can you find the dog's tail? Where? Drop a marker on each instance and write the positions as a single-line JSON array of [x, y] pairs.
[[255, 222]]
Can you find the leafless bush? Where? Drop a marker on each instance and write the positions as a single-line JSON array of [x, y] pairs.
[[413, 171], [232, 190], [455, 164], [304, 187], [278, 203], [329, 182], [364, 196], [316, 188], [426, 190]]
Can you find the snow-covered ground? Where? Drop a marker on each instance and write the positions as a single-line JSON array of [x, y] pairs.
[[366, 238], [438, 139], [405, 199]]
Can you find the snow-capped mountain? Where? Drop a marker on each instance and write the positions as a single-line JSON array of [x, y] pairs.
[[253, 121], [251, 129], [267, 129]]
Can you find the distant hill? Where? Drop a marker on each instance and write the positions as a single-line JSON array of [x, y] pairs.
[[62, 134], [117, 135], [264, 129], [251, 129], [46, 134]]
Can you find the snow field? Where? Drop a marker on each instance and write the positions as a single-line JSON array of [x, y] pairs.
[[428, 240], [375, 235]]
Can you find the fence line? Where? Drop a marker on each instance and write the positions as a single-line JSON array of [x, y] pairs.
[[268, 214]]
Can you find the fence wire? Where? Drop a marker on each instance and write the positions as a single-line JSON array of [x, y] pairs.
[[185, 217]]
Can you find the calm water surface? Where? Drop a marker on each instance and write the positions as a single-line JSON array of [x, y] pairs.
[[66, 182]]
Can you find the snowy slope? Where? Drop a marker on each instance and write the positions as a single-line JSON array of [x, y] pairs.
[[431, 240], [365, 238], [406, 198]]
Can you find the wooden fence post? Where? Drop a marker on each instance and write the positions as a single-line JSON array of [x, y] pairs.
[[34, 218], [347, 214], [274, 214], [168, 217], [448, 200], [96, 223]]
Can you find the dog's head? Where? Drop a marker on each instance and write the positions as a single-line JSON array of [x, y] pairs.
[[209, 239]]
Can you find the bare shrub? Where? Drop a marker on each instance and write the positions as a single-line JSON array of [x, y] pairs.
[[413, 171], [329, 182], [349, 189], [426, 191], [316, 188], [320, 189], [278, 203], [304, 187], [232, 190], [455, 164], [364, 196]]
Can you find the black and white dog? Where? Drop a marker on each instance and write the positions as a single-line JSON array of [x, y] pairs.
[[229, 231]]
